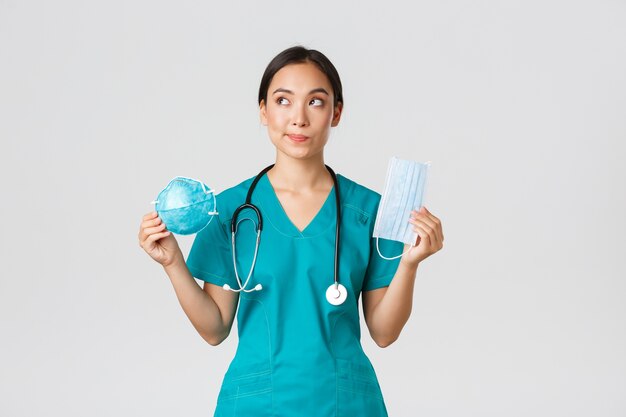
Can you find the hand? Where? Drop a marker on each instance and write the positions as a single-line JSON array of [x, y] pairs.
[[429, 239], [158, 242]]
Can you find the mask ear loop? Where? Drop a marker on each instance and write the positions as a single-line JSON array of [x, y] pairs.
[[210, 213], [212, 192], [394, 257]]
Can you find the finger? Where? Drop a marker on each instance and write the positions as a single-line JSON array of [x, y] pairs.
[[430, 224], [147, 231], [150, 223], [422, 232], [429, 234], [150, 215], [149, 244], [146, 225], [424, 224], [156, 236], [435, 220], [423, 236], [151, 230], [435, 233], [430, 215], [424, 217]]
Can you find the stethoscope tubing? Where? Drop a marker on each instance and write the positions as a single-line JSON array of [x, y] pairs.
[[259, 227]]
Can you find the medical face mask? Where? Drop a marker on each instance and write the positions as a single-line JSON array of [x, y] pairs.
[[185, 205], [404, 192]]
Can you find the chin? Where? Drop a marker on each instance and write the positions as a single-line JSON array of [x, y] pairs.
[[301, 154]]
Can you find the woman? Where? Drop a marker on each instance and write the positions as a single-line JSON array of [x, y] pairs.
[[298, 353]]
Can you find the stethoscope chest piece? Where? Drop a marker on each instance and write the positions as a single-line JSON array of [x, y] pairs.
[[336, 294]]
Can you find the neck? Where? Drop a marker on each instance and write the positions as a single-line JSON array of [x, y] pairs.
[[299, 174]]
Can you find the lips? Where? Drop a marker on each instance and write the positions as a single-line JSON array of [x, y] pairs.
[[298, 138]]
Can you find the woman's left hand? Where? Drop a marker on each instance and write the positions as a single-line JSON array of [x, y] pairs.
[[429, 239]]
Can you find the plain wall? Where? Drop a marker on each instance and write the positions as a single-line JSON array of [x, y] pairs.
[[520, 106]]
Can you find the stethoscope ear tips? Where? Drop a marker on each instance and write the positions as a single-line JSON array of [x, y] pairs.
[[258, 287], [226, 287]]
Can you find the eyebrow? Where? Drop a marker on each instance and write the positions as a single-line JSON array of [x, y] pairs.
[[315, 90]]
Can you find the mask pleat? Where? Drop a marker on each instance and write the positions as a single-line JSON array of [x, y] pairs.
[[404, 190]]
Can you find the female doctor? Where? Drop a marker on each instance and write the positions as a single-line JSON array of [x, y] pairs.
[[299, 353]]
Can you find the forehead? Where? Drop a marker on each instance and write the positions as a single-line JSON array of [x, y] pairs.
[[300, 76]]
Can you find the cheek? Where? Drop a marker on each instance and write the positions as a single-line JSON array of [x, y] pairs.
[[275, 119], [326, 115]]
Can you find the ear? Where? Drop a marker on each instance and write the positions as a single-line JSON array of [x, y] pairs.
[[337, 114], [262, 113]]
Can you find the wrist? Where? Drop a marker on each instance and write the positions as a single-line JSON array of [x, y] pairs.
[[174, 263], [408, 266]]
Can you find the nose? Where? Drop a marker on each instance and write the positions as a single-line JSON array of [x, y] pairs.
[[299, 117]]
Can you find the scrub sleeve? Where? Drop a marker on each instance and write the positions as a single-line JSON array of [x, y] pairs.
[[380, 271], [297, 354], [210, 256]]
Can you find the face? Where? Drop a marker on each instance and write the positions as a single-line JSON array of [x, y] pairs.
[[299, 110]]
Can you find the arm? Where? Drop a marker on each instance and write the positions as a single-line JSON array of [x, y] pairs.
[[211, 310], [387, 309]]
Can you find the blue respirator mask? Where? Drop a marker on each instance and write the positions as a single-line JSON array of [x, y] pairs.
[[186, 205], [404, 192]]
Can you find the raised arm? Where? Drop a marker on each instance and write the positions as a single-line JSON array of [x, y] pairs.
[[212, 310], [387, 309]]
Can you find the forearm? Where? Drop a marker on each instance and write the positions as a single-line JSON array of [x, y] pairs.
[[394, 309], [199, 307]]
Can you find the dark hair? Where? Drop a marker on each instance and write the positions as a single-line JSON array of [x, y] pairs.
[[299, 54]]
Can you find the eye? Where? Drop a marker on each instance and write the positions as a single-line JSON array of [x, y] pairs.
[[280, 100], [319, 102]]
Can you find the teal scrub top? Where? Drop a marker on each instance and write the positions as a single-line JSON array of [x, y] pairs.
[[298, 355]]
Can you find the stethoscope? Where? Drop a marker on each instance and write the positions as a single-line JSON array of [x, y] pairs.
[[335, 294]]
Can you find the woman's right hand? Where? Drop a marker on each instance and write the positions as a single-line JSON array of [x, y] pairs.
[[157, 241]]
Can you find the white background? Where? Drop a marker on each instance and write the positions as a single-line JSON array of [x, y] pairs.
[[520, 106]]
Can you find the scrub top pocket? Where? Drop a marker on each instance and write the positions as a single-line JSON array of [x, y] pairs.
[[358, 391], [246, 395]]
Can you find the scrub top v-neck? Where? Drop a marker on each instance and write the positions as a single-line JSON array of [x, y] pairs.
[[324, 218], [297, 354]]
